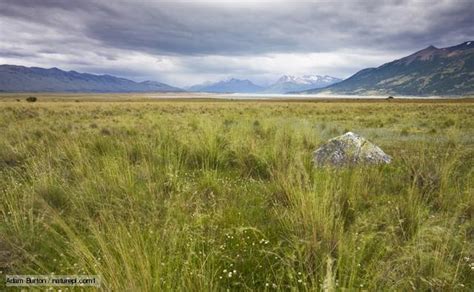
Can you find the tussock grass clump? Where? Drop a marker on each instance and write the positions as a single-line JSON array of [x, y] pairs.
[[191, 196], [31, 99]]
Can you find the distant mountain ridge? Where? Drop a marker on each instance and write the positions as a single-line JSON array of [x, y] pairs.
[[21, 79], [431, 71], [232, 85], [284, 84], [289, 83]]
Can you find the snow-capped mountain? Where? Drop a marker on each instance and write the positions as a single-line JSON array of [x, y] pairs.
[[286, 83], [290, 83]]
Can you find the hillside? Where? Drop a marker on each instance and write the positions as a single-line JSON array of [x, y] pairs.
[[431, 71]]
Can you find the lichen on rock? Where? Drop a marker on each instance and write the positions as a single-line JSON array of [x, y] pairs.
[[349, 149]]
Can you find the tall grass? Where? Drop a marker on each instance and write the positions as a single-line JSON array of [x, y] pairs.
[[211, 196]]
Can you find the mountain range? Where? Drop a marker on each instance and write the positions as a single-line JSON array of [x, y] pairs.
[[34, 79], [431, 71], [284, 84], [289, 83], [19, 78]]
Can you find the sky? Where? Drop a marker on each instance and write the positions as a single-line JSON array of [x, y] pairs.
[[188, 42]]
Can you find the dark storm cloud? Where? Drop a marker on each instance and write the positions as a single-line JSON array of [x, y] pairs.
[[226, 37], [249, 28], [282, 27], [14, 53]]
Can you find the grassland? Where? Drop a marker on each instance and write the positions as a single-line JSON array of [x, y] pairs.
[[215, 195]]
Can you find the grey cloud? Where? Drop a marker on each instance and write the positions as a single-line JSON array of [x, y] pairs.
[[202, 28], [284, 27], [15, 53], [93, 34]]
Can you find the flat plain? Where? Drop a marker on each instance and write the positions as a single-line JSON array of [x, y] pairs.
[[189, 195]]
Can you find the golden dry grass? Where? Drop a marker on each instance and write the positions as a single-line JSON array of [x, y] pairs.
[[214, 195]]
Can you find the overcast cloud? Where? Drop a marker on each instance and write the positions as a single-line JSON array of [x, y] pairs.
[[187, 42]]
